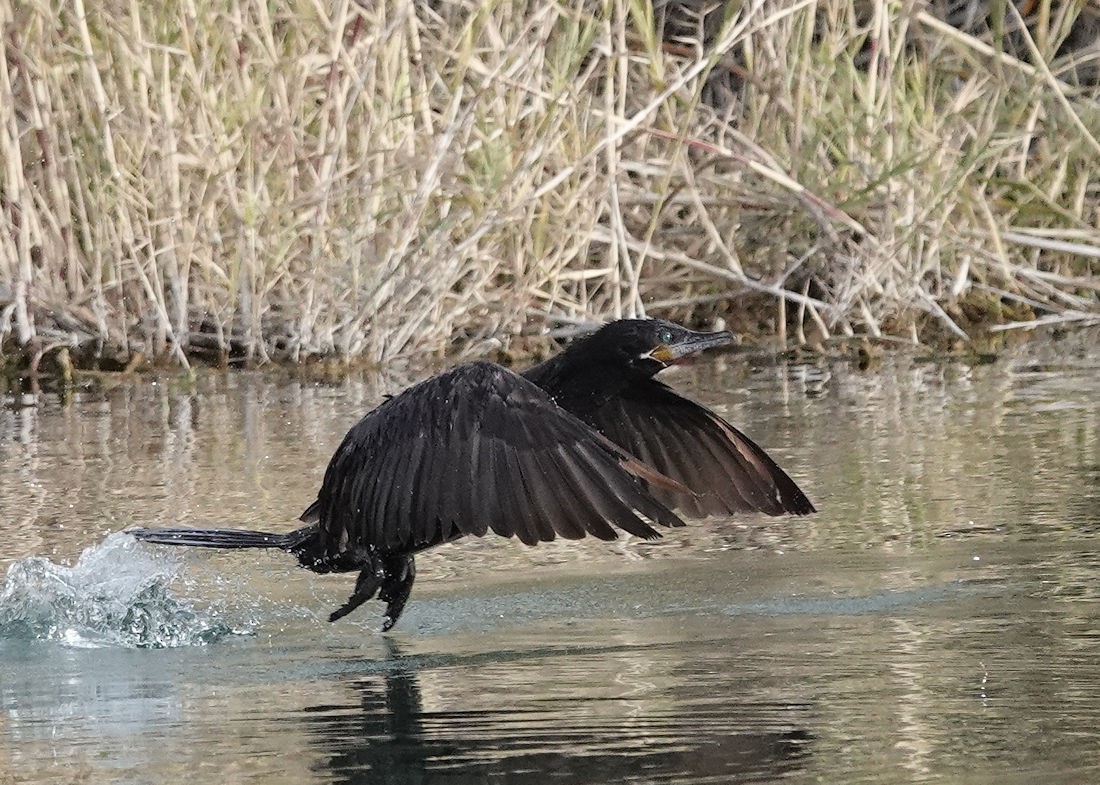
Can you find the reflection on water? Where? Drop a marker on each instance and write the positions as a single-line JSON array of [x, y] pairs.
[[637, 732], [936, 621]]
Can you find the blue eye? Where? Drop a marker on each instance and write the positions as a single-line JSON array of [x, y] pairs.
[[665, 336]]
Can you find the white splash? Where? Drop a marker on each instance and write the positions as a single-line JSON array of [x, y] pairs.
[[115, 595]]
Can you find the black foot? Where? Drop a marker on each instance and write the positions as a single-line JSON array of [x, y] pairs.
[[400, 572], [365, 586]]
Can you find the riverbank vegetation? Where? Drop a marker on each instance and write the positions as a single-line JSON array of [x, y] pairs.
[[241, 181]]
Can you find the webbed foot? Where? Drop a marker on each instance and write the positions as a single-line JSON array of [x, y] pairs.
[[400, 572], [365, 586]]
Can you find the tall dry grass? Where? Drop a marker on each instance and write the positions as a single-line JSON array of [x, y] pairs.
[[254, 180]]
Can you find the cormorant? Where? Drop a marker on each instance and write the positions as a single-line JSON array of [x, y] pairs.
[[587, 442]]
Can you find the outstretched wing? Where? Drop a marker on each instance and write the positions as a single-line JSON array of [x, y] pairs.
[[478, 449], [726, 470]]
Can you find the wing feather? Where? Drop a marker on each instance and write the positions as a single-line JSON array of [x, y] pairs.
[[583, 500], [725, 469], [398, 529], [480, 490], [475, 449], [522, 514]]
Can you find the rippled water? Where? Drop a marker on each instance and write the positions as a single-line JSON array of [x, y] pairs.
[[937, 621]]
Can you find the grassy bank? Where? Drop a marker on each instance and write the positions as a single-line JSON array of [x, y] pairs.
[[245, 181]]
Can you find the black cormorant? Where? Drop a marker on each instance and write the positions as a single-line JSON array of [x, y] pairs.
[[587, 442]]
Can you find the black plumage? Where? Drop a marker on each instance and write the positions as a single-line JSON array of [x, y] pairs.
[[586, 443]]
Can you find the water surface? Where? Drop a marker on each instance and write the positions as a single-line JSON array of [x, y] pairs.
[[935, 622]]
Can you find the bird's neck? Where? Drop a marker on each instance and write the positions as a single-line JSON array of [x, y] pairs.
[[578, 385]]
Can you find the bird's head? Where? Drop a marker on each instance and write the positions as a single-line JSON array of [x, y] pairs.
[[646, 346]]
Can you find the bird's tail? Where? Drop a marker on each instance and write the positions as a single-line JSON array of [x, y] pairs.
[[227, 538]]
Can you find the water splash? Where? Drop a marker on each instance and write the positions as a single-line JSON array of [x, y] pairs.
[[115, 595]]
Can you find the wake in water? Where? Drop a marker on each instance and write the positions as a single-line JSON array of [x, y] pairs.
[[115, 595]]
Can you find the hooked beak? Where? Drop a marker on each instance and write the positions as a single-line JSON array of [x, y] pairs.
[[691, 343]]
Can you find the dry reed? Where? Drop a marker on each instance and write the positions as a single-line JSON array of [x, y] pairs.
[[255, 181]]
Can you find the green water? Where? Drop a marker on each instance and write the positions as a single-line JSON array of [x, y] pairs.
[[937, 621]]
